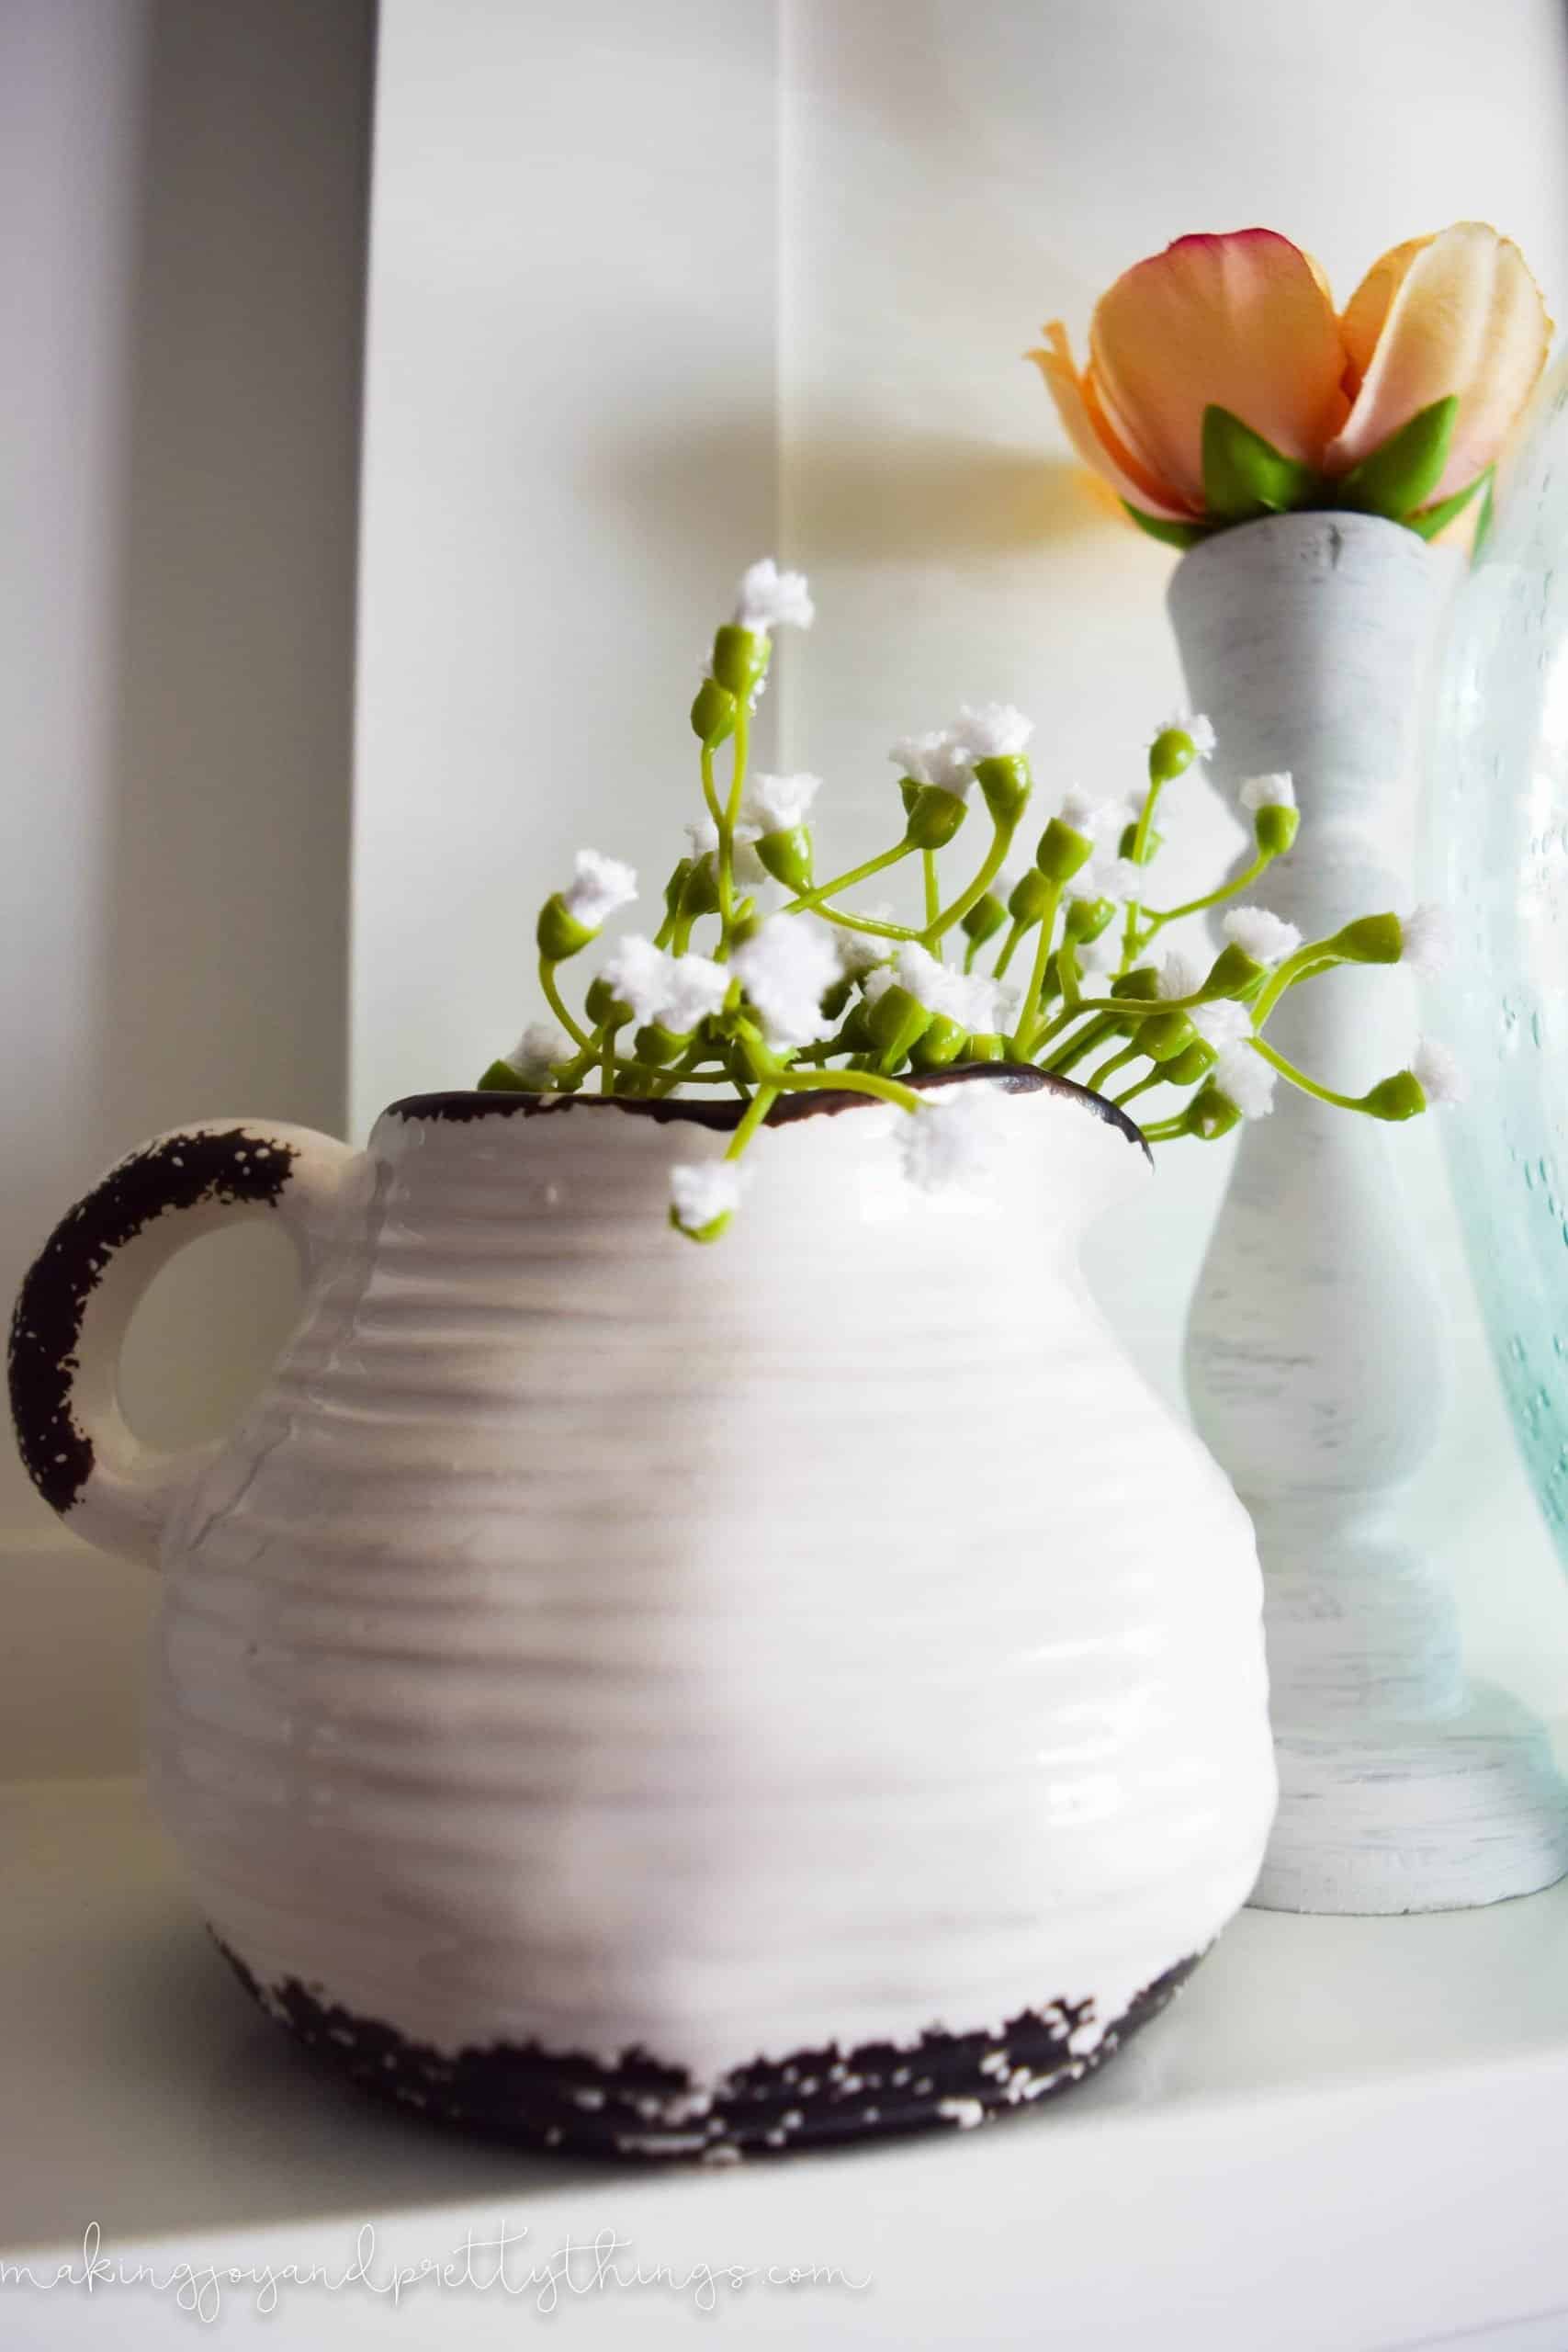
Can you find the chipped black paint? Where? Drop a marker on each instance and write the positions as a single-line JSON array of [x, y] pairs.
[[176, 1173], [1017, 1077], [573, 2103]]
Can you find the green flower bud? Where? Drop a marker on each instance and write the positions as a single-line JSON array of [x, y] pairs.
[[1187, 1068], [894, 1022], [502, 1079], [1142, 985], [1087, 918], [1007, 785], [935, 816], [1210, 1115], [603, 1006], [1153, 840], [940, 1043], [787, 856], [739, 659], [855, 1035], [1030, 898], [1063, 850], [1163, 1037], [674, 888], [984, 918], [709, 1232], [1275, 829], [1372, 939], [987, 1046], [908, 792], [654, 1043], [713, 714], [1172, 753], [1399, 1097], [1234, 973], [559, 932], [836, 998], [700, 895]]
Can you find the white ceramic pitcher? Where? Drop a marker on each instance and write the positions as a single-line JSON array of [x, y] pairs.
[[657, 1699]]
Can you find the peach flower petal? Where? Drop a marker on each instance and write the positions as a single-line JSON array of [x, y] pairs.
[[1243, 320], [1368, 307], [1462, 314], [1092, 437]]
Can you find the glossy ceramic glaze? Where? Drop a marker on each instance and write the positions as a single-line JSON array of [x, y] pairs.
[[659, 1697]]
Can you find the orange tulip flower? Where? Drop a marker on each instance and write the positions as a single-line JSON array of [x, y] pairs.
[[1221, 385]]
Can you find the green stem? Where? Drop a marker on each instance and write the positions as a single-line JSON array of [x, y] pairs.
[[1093, 1034], [1109, 1069], [1163, 1130], [579, 1036], [607, 1061], [756, 1112], [710, 789], [1155, 916], [1307, 1085], [852, 1081], [814, 898], [1140, 843], [933, 888], [1305, 964], [1155, 1078], [729, 819], [1025, 1040], [865, 922], [1008, 946], [1001, 842]]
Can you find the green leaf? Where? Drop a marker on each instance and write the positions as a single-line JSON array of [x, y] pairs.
[[1433, 519], [1245, 476], [1394, 480], [1484, 527], [1171, 535]]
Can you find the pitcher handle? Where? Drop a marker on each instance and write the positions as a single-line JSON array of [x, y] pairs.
[[83, 1288]]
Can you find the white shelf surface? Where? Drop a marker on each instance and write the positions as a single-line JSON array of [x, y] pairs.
[[1348, 2135]]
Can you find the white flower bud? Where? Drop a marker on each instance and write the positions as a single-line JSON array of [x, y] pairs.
[[786, 968], [1261, 935], [777, 804], [1222, 1023], [539, 1047], [952, 1142], [1180, 975], [1267, 792], [941, 758], [769, 599], [704, 1190], [1246, 1079], [599, 888], [992, 730], [1193, 724], [1427, 942], [1438, 1074]]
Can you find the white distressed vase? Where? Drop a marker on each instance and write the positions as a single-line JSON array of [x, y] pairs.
[[1317, 1348], [658, 1699]]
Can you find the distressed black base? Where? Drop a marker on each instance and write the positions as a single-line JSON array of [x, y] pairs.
[[641, 2107]]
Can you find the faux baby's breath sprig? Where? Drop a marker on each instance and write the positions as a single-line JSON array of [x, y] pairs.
[[764, 980]]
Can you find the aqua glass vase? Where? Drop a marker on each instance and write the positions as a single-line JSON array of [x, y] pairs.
[[1497, 851]]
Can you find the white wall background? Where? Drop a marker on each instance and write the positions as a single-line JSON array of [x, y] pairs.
[[651, 289]]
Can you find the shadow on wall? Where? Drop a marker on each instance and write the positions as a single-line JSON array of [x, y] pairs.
[[916, 496], [225, 921]]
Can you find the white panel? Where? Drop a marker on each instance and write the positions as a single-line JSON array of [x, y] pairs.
[[569, 451], [181, 254]]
